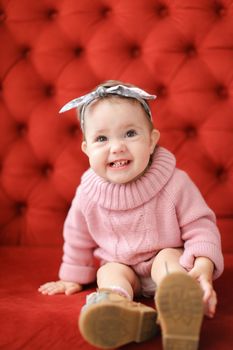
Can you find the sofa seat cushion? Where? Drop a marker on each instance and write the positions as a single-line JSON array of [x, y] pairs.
[[30, 320]]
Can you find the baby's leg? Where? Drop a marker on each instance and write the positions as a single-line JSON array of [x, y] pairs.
[[110, 318], [118, 276], [166, 261]]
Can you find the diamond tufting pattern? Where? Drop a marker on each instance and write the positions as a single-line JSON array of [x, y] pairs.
[[53, 51]]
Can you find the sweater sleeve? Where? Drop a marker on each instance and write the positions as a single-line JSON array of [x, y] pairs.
[[198, 226], [77, 263]]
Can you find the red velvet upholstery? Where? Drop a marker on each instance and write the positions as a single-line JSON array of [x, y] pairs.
[[54, 50]]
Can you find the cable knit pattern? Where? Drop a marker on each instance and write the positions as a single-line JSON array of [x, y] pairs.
[[130, 223]]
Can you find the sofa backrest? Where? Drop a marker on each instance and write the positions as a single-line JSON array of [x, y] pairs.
[[53, 51]]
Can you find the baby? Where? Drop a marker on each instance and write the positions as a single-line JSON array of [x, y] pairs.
[[145, 221]]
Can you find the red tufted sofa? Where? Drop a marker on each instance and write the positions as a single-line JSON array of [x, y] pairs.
[[54, 50]]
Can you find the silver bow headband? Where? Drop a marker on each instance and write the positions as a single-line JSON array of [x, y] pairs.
[[101, 91]]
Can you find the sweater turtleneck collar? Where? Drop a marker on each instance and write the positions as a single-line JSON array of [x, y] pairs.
[[133, 194]]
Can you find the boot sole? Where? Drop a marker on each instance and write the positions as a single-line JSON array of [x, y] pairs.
[[109, 325], [180, 311]]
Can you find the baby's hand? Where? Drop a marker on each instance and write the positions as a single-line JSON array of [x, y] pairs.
[[60, 287], [209, 297], [202, 272]]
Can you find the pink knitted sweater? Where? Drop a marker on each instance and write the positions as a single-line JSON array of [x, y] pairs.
[[129, 223]]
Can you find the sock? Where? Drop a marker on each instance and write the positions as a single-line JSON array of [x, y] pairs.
[[121, 291]]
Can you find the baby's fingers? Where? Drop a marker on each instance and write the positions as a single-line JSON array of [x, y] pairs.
[[211, 305], [52, 288], [44, 288], [209, 297]]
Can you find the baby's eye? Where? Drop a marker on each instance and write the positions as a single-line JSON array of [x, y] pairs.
[[101, 138], [131, 133]]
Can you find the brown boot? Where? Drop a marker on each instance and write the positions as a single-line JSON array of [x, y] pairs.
[[109, 320], [180, 311]]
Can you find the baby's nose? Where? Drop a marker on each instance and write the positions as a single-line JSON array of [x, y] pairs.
[[118, 146]]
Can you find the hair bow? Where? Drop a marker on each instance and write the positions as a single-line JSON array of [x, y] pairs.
[[101, 92]]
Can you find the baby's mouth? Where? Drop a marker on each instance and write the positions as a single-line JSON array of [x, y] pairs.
[[119, 163]]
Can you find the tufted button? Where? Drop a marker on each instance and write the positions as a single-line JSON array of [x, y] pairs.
[[25, 51], [51, 14], [161, 91], [222, 91], [21, 129], [135, 51], [78, 51], [73, 130], [190, 50], [2, 16], [46, 170], [190, 131], [220, 10], [162, 10], [49, 90], [221, 174], [20, 208], [105, 11]]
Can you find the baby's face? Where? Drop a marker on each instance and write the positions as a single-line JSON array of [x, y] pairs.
[[118, 139]]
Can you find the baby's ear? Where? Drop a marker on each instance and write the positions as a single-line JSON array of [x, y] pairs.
[[154, 139], [84, 147]]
